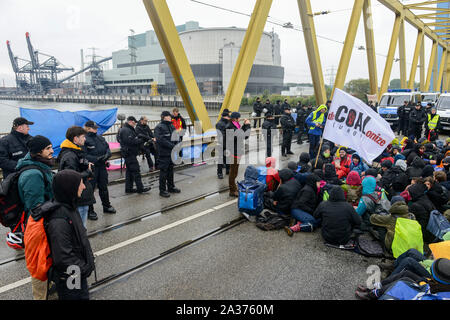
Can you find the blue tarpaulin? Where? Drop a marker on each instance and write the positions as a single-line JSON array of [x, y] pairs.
[[53, 124]]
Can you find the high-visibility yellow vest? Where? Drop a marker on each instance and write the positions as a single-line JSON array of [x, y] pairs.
[[320, 118], [432, 123]]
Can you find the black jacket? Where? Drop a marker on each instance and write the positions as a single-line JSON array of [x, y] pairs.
[[258, 108], [144, 130], [286, 192], [417, 117], [307, 198], [416, 168], [269, 107], [130, 143], [243, 130], [301, 117], [221, 126], [421, 206], [166, 139], [13, 147], [403, 111], [97, 149], [438, 195], [277, 111], [338, 218], [269, 125], [76, 160], [67, 238], [287, 123], [303, 162], [394, 179]]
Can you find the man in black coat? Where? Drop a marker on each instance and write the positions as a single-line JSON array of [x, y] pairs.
[[268, 106], [130, 143], [417, 118], [338, 218], [257, 110], [277, 111], [302, 114], [148, 148], [166, 140], [269, 131], [221, 126], [98, 152], [288, 127], [286, 193], [67, 237], [403, 118], [13, 147], [421, 206], [74, 158]]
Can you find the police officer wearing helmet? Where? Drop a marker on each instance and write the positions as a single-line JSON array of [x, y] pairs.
[[98, 152], [13, 147]]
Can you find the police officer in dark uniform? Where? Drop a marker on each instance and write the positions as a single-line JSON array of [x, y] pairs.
[[130, 143], [148, 148], [268, 106], [417, 118], [222, 143], [166, 140], [13, 147], [302, 114], [403, 118], [257, 110], [268, 126], [277, 111], [98, 152], [288, 127]]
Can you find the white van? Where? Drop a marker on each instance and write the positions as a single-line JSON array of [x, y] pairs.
[[393, 99], [443, 110], [430, 97]]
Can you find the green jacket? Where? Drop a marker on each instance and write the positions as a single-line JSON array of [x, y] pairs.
[[398, 210], [32, 190]]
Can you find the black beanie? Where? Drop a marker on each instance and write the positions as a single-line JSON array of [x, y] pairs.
[[386, 164], [37, 144], [165, 114]]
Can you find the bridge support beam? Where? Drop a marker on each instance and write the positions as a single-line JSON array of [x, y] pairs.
[[370, 46], [412, 76], [431, 66]]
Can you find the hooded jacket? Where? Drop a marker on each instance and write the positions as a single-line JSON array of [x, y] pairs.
[[273, 177], [401, 163], [31, 184], [66, 234], [307, 198], [344, 164], [304, 162], [369, 186], [315, 116], [73, 158], [416, 168], [353, 188], [398, 210], [330, 175], [394, 179], [287, 191], [438, 195], [421, 207], [338, 218], [361, 167]]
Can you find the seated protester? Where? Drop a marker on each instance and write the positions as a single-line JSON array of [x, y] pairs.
[[337, 217], [399, 209], [437, 194], [371, 172], [358, 165], [330, 176], [343, 168], [408, 146], [273, 178], [397, 155], [394, 179], [319, 173], [427, 171], [416, 168], [395, 144], [300, 177], [386, 155], [413, 267], [303, 162], [366, 205], [286, 192], [431, 151], [421, 206], [315, 166], [441, 177], [353, 188], [304, 205], [326, 155]]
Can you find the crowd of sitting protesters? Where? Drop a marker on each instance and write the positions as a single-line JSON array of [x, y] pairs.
[[345, 197]]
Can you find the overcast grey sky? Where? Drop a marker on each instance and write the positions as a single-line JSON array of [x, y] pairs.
[[62, 28]]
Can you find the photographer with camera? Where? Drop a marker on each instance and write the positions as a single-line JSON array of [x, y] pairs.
[[74, 158], [98, 152]]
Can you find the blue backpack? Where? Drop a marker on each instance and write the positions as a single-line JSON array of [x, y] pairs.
[[251, 193], [262, 175], [438, 225]]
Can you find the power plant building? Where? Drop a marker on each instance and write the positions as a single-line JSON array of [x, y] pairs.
[[212, 54]]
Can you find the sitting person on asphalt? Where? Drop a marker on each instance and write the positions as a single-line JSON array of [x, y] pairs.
[[353, 188], [286, 192], [358, 165], [337, 218]]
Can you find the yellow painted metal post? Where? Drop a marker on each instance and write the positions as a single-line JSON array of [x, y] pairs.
[[348, 45], [402, 53], [422, 67], [447, 75], [246, 56], [370, 46], [431, 66], [312, 50], [442, 67], [412, 77], [390, 57], [175, 54]]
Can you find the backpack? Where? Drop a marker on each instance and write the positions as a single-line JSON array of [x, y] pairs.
[[382, 204], [262, 174], [251, 197], [268, 221], [400, 181], [368, 247], [438, 225], [353, 195], [408, 235], [12, 212]]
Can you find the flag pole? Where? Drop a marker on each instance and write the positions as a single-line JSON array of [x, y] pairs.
[[318, 151]]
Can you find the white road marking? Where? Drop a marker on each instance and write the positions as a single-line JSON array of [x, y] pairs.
[[131, 241]]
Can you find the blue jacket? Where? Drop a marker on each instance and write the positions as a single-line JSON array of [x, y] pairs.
[[361, 167], [369, 185], [309, 121]]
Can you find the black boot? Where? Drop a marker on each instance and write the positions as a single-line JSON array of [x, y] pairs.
[[109, 210], [164, 194], [92, 215]]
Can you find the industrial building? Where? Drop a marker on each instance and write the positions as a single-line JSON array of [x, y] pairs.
[[212, 53]]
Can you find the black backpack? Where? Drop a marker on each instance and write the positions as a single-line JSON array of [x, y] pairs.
[[400, 182], [11, 207]]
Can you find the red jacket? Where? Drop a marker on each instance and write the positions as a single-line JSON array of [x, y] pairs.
[[345, 166]]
